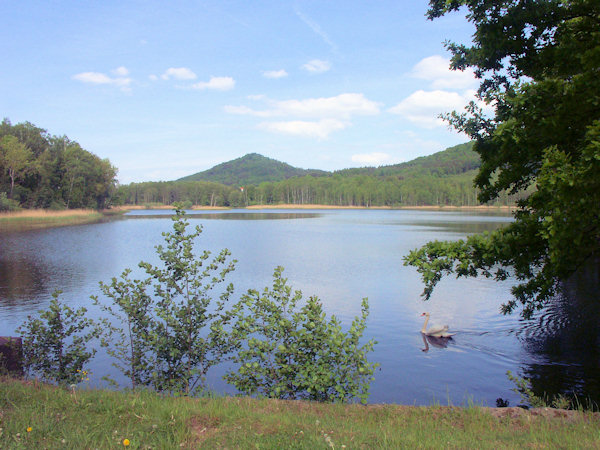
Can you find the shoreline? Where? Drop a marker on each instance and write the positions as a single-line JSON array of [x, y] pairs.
[[37, 219], [126, 208], [422, 208], [33, 219]]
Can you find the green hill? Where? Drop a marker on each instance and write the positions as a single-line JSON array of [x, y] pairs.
[[452, 161], [444, 178], [251, 169]]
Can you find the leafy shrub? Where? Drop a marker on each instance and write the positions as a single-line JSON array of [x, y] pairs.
[[55, 344], [170, 338], [129, 341], [299, 354]]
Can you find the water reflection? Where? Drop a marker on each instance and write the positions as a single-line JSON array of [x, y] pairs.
[[437, 342], [228, 216], [22, 280], [564, 340], [460, 227]]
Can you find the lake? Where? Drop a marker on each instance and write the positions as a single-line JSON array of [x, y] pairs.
[[340, 256]]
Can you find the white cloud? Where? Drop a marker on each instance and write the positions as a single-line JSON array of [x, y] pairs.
[[178, 73], [153, 77], [424, 107], [450, 91], [328, 114], [217, 83], [371, 159], [92, 77], [121, 80], [317, 66], [320, 129], [342, 106], [437, 70], [275, 73], [120, 71]]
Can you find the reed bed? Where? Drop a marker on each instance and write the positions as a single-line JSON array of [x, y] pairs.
[[45, 213], [33, 219]]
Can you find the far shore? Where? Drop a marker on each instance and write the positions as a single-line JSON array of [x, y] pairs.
[[426, 208], [33, 219]]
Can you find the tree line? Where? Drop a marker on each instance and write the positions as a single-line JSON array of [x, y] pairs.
[[336, 190], [39, 170], [444, 178]]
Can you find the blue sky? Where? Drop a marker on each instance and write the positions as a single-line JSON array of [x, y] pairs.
[[167, 89]]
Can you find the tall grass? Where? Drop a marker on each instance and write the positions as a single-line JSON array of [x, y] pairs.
[[40, 218], [45, 213], [61, 418]]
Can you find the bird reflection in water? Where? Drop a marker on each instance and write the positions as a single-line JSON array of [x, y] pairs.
[[437, 336], [437, 342]]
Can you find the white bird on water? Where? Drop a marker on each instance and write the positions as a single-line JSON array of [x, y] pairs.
[[438, 331]]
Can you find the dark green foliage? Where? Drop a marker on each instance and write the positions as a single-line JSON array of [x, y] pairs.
[[293, 353], [539, 65], [42, 171], [250, 169], [7, 204], [56, 345]]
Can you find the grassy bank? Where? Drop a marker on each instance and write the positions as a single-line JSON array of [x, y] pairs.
[[57, 418], [33, 219]]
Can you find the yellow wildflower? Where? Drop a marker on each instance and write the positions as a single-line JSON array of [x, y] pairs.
[[125, 442], [29, 429]]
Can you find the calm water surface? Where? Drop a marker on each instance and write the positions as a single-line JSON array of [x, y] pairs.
[[341, 257]]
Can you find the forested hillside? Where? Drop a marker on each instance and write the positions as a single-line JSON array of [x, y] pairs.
[[251, 169], [444, 178], [39, 170], [452, 161]]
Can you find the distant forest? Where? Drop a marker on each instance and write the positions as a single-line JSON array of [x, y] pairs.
[[445, 178], [38, 170]]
